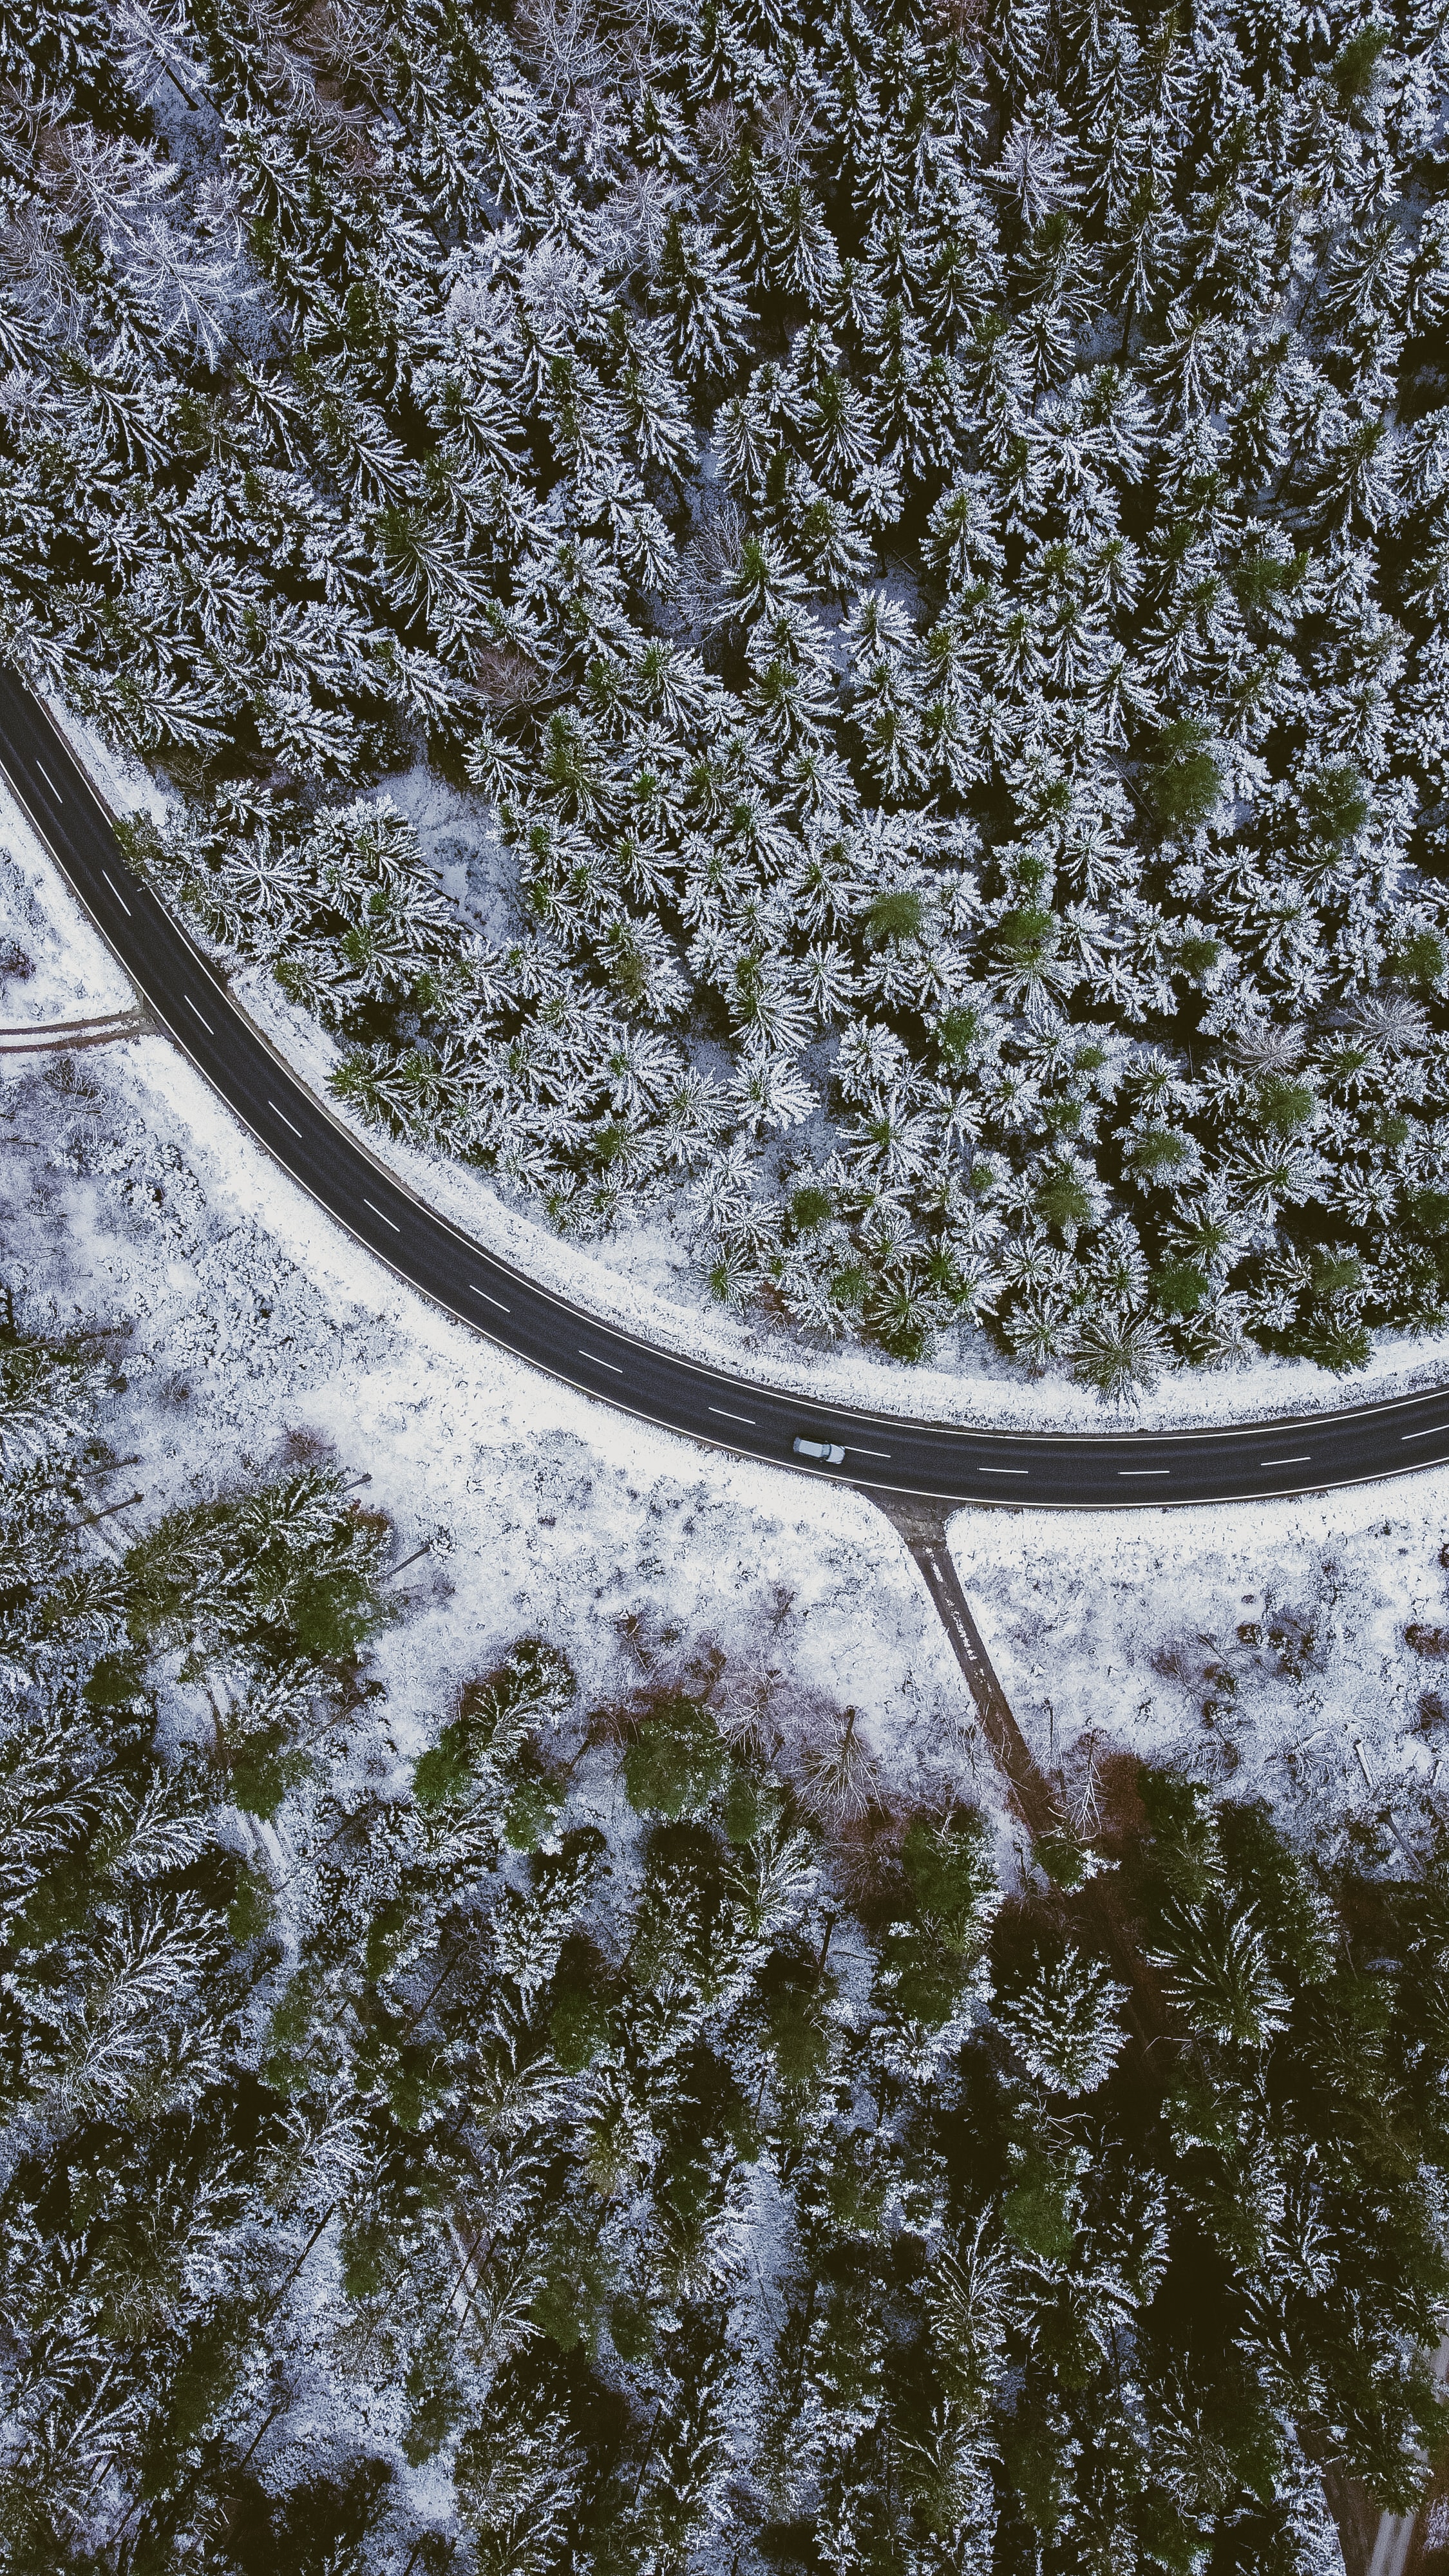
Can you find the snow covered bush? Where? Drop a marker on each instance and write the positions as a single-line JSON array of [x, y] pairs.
[[928, 527]]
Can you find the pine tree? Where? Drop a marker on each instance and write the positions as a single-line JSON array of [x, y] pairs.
[[702, 297], [1062, 2017]]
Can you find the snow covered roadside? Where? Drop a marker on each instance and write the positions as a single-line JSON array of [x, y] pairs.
[[1262, 1646], [130, 1193], [645, 1281], [639, 1280], [72, 974], [129, 1196]]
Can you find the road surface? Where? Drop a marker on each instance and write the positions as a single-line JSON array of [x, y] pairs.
[[886, 1453]]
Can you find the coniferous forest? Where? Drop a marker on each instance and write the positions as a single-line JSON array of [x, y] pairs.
[[919, 532], [602, 2144], [921, 526]]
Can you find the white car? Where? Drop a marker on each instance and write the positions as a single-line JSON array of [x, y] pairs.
[[829, 1452]]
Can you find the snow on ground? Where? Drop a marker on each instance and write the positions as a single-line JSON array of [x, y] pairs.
[[129, 1193], [1297, 1652], [645, 1278], [53, 965], [130, 1197]]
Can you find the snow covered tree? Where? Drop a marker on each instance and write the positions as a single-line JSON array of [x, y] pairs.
[[555, 409], [1062, 2016]]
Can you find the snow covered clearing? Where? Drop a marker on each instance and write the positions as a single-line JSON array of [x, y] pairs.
[[1293, 1651]]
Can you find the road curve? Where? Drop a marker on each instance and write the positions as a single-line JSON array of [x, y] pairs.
[[885, 1452]]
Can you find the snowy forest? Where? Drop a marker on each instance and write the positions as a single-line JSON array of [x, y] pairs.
[[922, 527], [618, 2141], [916, 534]]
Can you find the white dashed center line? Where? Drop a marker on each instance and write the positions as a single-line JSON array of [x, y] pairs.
[[50, 782], [726, 1416], [377, 1211], [120, 898], [1305, 1460], [1003, 1471], [286, 1121], [1424, 1435], [489, 1300], [206, 1024], [1144, 1471], [598, 1363], [867, 1453]]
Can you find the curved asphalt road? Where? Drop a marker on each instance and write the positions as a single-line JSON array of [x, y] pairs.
[[886, 1453]]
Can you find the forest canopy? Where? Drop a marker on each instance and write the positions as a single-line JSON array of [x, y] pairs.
[[619, 2140], [925, 523]]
